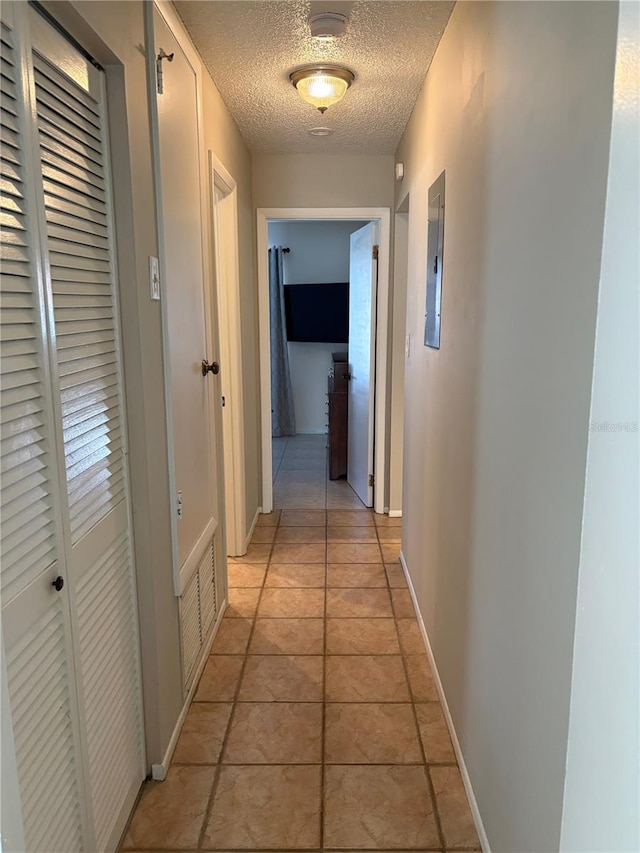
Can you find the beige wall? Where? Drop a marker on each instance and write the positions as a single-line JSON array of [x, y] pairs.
[[221, 135], [605, 692], [517, 109], [322, 180]]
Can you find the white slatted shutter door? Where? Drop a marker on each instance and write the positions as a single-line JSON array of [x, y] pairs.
[[82, 288], [83, 309], [35, 616], [28, 534]]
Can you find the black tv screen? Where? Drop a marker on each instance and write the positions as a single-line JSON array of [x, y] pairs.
[[317, 313]]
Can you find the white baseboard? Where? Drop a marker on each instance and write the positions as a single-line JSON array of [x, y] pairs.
[[482, 835], [253, 526], [311, 432], [159, 771], [395, 513]]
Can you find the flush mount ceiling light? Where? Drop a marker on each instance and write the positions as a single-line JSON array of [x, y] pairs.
[[322, 86]]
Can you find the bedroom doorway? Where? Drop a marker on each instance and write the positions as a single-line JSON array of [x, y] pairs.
[[313, 337]]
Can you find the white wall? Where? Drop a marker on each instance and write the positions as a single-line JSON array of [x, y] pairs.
[[602, 794], [516, 108], [319, 255]]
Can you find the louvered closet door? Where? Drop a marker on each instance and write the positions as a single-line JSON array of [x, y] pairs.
[[35, 617], [72, 655], [70, 108]]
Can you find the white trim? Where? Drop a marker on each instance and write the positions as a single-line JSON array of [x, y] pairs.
[[159, 771], [253, 527], [395, 513], [224, 225], [477, 819], [310, 214], [192, 562], [150, 40], [311, 432], [173, 22]]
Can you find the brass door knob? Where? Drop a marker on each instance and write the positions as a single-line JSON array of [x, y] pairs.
[[214, 367]]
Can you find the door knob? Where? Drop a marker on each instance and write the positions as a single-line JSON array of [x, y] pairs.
[[58, 583], [214, 367]]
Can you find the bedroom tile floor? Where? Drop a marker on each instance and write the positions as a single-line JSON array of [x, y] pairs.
[[300, 478], [316, 724]]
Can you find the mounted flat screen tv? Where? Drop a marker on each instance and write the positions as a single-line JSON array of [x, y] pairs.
[[317, 313]]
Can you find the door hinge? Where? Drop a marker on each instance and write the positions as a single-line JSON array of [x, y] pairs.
[[376, 249], [159, 81], [179, 506], [372, 480]]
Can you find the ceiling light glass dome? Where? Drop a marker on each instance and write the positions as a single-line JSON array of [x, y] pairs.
[[322, 86]]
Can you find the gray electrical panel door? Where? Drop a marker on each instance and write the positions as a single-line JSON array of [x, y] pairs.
[[435, 244]]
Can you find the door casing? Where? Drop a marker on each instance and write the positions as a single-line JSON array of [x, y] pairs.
[[171, 19], [310, 214]]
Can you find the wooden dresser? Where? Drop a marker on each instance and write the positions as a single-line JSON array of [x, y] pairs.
[[338, 407]]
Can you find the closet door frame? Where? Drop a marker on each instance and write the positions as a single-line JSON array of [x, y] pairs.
[[97, 81], [21, 17], [54, 387], [16, 15], [144, 384]]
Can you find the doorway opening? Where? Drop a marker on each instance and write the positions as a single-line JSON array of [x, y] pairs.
[[322, 243]]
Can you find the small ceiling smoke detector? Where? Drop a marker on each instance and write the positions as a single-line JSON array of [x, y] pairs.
[[320, 131], [328, 25]]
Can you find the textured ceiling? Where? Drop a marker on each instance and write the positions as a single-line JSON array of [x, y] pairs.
[[251, 47]]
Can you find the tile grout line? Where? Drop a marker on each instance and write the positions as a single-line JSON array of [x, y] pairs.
[[324, 679], [419, 763], [219, 765], [432, 794], [324, 645]]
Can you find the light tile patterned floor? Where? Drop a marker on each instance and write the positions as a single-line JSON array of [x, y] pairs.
[[316, 725], [300, 479]]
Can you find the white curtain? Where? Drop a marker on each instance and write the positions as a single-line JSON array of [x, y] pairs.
[[283, 420]]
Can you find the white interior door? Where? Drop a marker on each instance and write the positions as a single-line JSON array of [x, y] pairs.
[[188, 334], [225, 230], [36, 620], [69, 600], [363, 282]]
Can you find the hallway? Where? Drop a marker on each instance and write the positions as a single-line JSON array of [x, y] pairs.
[[316, 724]]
